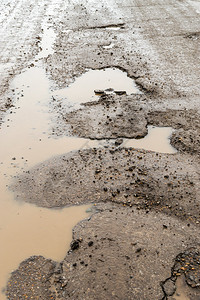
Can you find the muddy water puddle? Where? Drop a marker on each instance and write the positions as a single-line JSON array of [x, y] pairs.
[[25, 137], [86, 87], [157, 139], [27, 230]]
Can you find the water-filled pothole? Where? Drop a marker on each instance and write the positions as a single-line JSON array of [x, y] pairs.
[[84, 87], [157, 139], [27, 230], [25, 141]]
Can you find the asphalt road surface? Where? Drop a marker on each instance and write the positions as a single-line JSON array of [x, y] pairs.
[[143, 241]]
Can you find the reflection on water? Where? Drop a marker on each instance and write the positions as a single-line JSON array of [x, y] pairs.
[[111, 45], [82, 90]]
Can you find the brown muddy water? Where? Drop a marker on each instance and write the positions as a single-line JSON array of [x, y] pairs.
[[26, 140], [157, 139], [181, 289], [25, 229], [82, 90]]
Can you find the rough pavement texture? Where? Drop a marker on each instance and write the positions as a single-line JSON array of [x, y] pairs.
[[38, 271], [19, 32], [131, 177], [157, 43], [108, 118]]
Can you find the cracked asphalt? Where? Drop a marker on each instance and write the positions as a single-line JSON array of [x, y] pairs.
[[144, 233]]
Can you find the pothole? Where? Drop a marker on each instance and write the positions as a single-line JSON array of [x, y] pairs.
[[94, 82], [27, 230], [25, 135], [157, 140], [25, 141]]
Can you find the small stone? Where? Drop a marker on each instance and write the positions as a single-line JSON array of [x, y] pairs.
[[99, 92], [118, 142], [138, 250], [90, 244], [109, 90], [74, 265], [169, 287], [74, 245], [120, 93]]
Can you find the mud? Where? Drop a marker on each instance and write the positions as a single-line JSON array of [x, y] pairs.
[[147, 226]]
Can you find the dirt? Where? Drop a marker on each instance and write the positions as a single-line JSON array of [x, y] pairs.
[[146, 232]]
